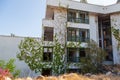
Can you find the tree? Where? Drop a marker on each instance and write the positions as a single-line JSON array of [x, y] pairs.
[[94, 58], [31, 52], [58, 64]]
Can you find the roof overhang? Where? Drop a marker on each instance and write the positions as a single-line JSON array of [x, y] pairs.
[[85, 7]]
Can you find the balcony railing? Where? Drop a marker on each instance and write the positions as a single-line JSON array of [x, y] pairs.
[[78, 20], [77, 39], [73, 59]]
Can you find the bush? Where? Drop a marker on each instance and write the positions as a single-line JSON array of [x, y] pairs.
[[94, 58], [8, 67]]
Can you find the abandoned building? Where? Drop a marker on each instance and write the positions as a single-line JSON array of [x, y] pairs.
[[72, 21]]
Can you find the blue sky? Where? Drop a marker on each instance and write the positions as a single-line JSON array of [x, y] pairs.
[[24, 17]]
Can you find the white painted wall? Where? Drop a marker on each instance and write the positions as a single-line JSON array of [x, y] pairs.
[[9, 49], [78, 25], [94, 27]]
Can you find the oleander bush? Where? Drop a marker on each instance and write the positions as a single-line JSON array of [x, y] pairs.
[[8, 68]]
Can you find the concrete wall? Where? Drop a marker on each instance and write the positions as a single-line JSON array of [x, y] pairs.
[[60, 23], [115, 22], [85, 7], [76, 5], [9, 49], [94, 27]]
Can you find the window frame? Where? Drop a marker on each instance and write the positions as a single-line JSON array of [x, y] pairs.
[[77, 19], [51, 54], [48, 36]]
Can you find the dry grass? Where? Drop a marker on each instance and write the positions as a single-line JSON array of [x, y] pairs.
[[71, 76]]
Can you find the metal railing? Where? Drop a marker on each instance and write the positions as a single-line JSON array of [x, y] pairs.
[[73, 59], [78, 20], [77, 39]]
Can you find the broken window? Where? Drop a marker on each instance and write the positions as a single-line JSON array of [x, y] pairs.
[[48, 34], [48, 53]]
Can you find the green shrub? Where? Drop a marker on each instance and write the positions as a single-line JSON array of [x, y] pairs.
[[10, 66], [94, 58]]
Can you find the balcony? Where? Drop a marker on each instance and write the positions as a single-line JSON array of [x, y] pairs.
[[77, 39], [48, 22], [78, 20]]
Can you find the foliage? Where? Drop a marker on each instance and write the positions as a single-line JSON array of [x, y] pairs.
[[94, 58], [31, 51], [59, 66], [116, 33], [8, 67]]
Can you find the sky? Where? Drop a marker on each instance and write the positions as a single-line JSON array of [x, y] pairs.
[[24, 17]]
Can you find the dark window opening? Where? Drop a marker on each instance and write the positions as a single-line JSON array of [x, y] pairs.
[[46, 72], [48, 53], [82, 52], [78, 16], [73, 55], [105, 38], [84, 35], [71, 16], [48, 34], [84, 17], [71, 34]]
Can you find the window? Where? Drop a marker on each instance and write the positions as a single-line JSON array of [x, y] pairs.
[[74, 34], [73, 55], [71, 16], [78, 16], [46, 72], [48, 53], [83, 16], [84, 35], [48, 34], [82, 52]]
